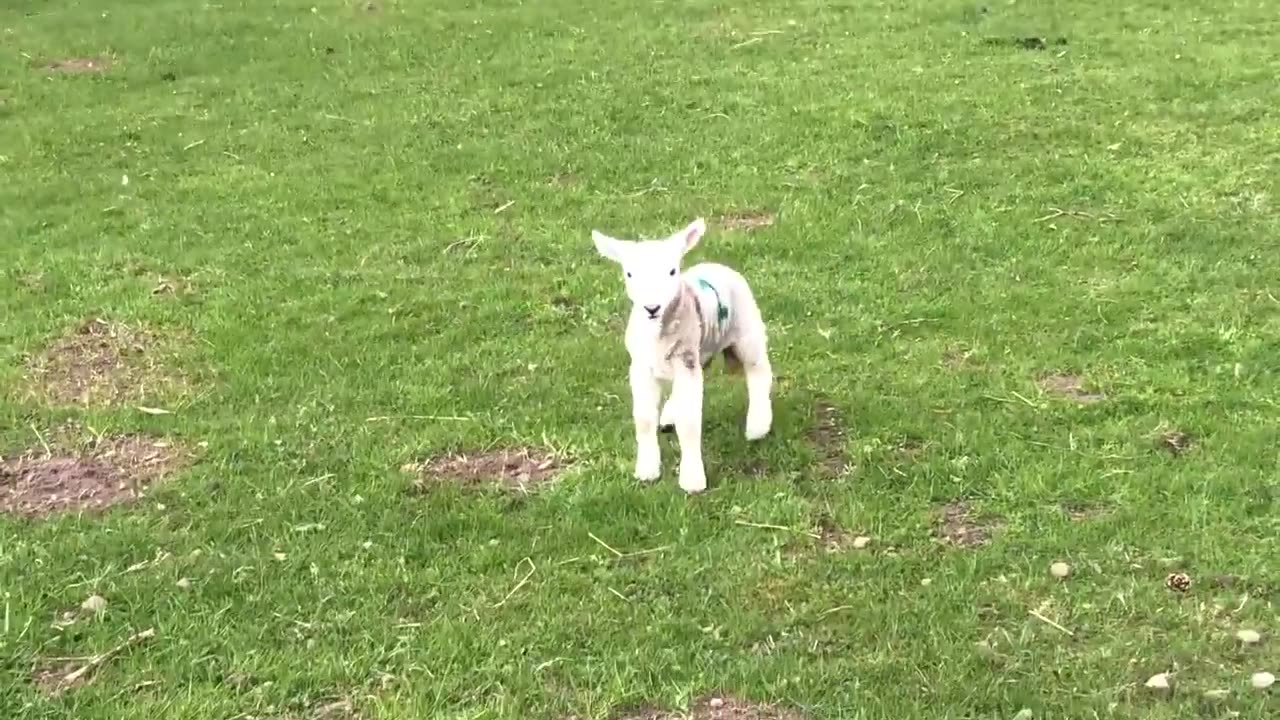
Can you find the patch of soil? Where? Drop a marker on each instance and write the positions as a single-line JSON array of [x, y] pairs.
[[756, 467], [747, 220], [1068, 386], [957, 359], [910, 449], [113, 471], [335, 710], [960, 527], [523, 468], [101, 363], [833, 537], [1080, 511], [50, 677], [715, 707], [172, 285], [1030, 42], [1175, 441], [827, 436], [79, 65]]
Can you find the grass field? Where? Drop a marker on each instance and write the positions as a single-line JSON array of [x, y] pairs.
[[1024, 307]]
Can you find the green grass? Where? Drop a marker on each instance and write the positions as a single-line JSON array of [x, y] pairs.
[[305, 165]]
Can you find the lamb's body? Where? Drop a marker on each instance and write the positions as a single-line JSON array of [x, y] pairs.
[[706, 310], [713, 312]]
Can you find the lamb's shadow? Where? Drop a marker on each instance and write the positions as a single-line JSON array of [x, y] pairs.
[[806, 439]]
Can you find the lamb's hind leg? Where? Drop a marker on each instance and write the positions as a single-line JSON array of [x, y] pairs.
[[752, 355]]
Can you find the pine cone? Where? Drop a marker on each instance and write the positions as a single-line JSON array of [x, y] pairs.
[[1178, 581]]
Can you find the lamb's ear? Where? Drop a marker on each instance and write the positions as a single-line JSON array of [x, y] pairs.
[[607, 246], [689, 237]]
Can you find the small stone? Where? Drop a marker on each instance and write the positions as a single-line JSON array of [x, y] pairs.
[[184, 584], [94, 604], [1249, 637], [1159, 681], [1024, 714], [1060, 570], [926, 582], [716, 703], [1262, 680], [281, 557], [861, 542]]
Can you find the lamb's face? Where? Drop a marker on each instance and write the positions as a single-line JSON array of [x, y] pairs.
[[651, 268]]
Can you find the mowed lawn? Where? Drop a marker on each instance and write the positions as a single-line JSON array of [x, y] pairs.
[[277, 263]]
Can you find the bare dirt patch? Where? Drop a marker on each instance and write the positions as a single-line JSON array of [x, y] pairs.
[[342, 709], [112, 471], [833, 537], [79, 65], [958, 359], [102, 363], [1175, 441], [564, 180], [523, 469], [910, 449], [827, 437], [1069, 386], [715, 707], [1080, 510], [50, 677], [958, 525], [749, 220]]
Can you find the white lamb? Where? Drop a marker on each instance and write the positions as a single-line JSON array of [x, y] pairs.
[[678, 322]]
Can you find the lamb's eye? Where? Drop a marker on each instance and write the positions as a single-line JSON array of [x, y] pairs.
[[672, 273]]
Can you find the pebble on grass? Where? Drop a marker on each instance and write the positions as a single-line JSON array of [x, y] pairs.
[[1060, 570], [1262, 680]]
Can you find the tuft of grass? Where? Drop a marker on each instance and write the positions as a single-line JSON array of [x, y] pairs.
[[366, 220]]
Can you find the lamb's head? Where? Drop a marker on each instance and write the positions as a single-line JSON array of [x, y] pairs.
[[651, 268]]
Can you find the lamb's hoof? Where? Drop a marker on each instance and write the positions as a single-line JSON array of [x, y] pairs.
[[648, 470], [757, 429], [667, 428], [693, 485]]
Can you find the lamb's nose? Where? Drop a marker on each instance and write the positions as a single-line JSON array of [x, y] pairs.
[[652, 310]]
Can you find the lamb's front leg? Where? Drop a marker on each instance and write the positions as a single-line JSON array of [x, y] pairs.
[[645, 395], [686, 390]]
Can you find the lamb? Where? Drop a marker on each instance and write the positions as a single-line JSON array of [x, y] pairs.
[[679, 321]]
